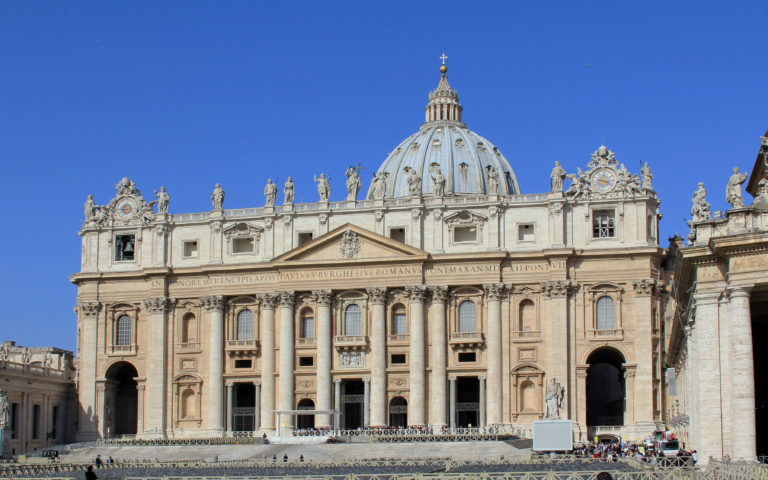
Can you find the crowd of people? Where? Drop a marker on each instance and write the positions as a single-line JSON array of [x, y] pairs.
[[613, 451]]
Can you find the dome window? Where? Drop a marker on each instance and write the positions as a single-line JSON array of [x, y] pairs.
[[436, 143], [459, 143], [415, 146]]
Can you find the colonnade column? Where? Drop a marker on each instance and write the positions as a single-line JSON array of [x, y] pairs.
[[268, 361], [707, 419], [337, 403], [483, 402], [452, 402], [230, 404], [493, 397], [256, 405], [214, 305], [155, 420], [558, 290], [378, 380], [87, 313], [324, 337], [366, 401], [437, 404], [742, 375], [416, 384], [285, 392]]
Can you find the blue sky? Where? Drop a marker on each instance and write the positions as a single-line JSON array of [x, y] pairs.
[[186, 94]]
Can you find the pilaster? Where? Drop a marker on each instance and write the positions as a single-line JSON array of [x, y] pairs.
[[268, 301], [378, 380], [286, 374], [214, 307], [324, 339], [88, 313], [416, 405], [645, 290], [557, 291], [494, 392], [437, 405], [155, 422]]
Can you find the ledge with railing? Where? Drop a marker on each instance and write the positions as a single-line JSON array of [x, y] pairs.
[[31, 369], [350, 342], [242, 346], [466, 339], [606, 334], [188, 347], [121, 350]]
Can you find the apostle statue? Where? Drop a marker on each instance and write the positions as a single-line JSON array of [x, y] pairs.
[[288, 191], [323, 187], [414, 181], [5, 410], [270, 192], [733, 190], [217, 197], [380, 185], [700, 208], [492, 179], [90, 208], [438, 179], [162, 200], [557, 177], [647, 177], [555, 398], [353, 182]]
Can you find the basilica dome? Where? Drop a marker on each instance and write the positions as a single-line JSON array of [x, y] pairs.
[[445, 146]]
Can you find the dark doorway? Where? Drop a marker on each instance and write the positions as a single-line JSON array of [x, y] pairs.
[[352, 401], [759, 311], [605, 388], [243, 409], [398, 412], [121, 405], [467, 402], [305, 421]]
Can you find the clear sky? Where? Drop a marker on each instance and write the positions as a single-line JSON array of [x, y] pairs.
[[186, 94]]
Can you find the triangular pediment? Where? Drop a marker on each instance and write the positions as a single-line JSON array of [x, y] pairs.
[[350, 243]]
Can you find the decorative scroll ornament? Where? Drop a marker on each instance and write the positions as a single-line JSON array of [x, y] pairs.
[[644, 286], [156, 304], [89, 309], [287, 298], [377, 295], [556, 288], [350, 244], [323, 297], [213, 302], [439, 294], [127, 207], [494, 291]]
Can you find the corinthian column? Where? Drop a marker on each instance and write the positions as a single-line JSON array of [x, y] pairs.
[[214, 306], [643, 374], [742, 376], [378, 395], [285, 392], [324, 340], [154, 419], [416, 404], [494, 401], [87, 313], [268, 361], [437, 396], [557, 291]]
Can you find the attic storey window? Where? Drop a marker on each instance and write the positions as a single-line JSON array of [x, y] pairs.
[[125, 248]]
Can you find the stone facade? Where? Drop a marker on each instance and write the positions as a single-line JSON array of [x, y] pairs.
[[448, 306], [39, 383]]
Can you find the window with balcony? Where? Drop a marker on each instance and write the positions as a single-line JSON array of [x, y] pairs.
[[245, 325], [399, 319], [605, 313], [467, 316], [307, 325], [352, 320]]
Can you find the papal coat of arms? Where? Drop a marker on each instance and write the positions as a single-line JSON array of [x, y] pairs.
[[350, 244]]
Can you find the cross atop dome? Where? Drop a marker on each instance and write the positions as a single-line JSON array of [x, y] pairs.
[[443, 101]]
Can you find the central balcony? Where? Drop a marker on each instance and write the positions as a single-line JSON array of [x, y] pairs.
[[350, 342], [242, 347], [467, 340]]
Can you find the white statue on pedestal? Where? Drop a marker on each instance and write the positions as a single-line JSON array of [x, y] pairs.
[[733, 190], [555, 399]]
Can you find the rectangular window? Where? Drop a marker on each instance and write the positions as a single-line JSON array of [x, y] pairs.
[[398, 358], [305, 237], [306, 361], [397, 234], [525, 233], [190, 249], [125, 246], [35, 422], [123, 330], [14, 420], [464, 234], [398, 323], [308, 327], [467, 357], [603, 224], [242, 245], [243, 364]]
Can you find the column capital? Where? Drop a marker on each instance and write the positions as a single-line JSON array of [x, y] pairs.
[[229, 384], [366, 379], [439, 293], [377, 295], [740, 290], [257, 383], [644, 286], [88, 309], [557, 288], [323, 297], [706, 298], [493, 291], [337, 380], [416, 293], [287, 298], [451, 378], [213, 303], [268, 300], [155, 305], [482, 378]]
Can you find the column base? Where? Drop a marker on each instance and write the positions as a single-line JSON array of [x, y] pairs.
[[89, 436]]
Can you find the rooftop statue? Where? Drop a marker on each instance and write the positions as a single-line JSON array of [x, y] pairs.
[[647, 177], [492, 179], [414, 181], [353, 182], [579, 185], [733, 190], [438, 179], [288, 191], [270, 192], [380, 184], [557, 177], [628, 182], [90, 208], [323, 187], [217, 197], [162, 200], [700, 208]]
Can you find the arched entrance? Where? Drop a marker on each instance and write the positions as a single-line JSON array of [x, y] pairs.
[[305, 421], [121, 399], [398, 412], [467, 402], [606, 393]]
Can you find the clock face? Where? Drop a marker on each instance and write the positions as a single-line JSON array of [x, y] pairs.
[[603, 180], [126, 208]]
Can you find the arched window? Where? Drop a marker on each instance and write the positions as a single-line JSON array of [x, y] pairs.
[[399, 326], [245, 325], [352, 324], [605, 313], [189, 328], [123, 330], [307, 324], [527, 316], [467, 316]]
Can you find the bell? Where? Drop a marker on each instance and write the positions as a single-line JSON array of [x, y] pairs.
[[128, 247]]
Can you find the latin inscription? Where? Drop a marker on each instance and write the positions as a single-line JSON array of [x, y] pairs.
[[452, 269]]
